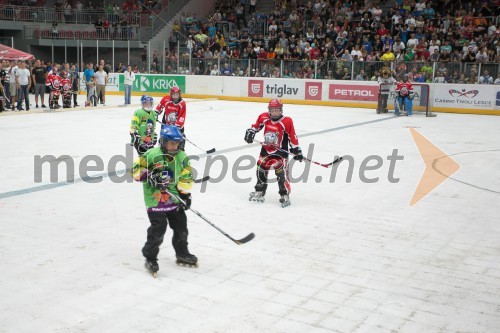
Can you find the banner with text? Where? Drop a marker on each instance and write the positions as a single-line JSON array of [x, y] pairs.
[[466, 97], [155, 83]]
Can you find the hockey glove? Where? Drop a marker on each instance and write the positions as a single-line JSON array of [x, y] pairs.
[[135, 139], [186, 197], [159, 180], [298, 154], [144, 147], [249, 135]]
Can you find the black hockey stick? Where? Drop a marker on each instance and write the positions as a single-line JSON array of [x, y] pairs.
[[324, 165], [244, 240], [210, 151], [202, 180]]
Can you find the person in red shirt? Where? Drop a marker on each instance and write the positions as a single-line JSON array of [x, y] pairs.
[[173, 108], [279, 133], [53, 81], [315, 52], [404, 97]]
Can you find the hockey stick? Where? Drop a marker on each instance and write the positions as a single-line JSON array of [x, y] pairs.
[[5, 96], [210, 151], [202, 180], [244, 240], [324, 165]]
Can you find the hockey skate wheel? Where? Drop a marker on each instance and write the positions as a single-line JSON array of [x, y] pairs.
[[185, 264]]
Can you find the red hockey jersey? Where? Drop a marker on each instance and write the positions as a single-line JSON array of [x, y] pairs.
[[53, 82], [404, 88], [175, 114], [277, 134], [66, 84]]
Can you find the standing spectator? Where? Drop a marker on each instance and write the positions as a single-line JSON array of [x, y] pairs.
[[73, 74], [172, 41], [23, 82], [88, 74], [101, 82], [6, 83], [2, 93], [55, 31], [39, 76], [13, 84], [129, 81], [253, 3]]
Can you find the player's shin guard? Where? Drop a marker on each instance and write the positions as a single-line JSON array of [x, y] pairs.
[[261, 185], [283, 182]]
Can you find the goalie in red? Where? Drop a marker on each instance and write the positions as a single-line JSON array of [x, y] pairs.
[[279, 132], [404, 97]]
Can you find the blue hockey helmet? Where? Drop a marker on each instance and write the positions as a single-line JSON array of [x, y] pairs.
[[170, 133], [147, 102]]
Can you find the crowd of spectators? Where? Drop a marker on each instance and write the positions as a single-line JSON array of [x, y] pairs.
[[433, 41], [104, 15]]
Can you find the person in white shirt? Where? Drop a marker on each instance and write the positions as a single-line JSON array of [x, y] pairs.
[[433, 47], [13, 84], [398, 45], [357, 52], [413, 41], [101, 80], [128, 82], [485, 78], [23, 83], [215, 71], [410, 21]]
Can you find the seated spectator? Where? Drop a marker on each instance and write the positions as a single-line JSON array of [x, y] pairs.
[[226, 70], [361, 76], [346, 75], [215, 71], [485, 78], [429, 12], [388, 56], [435, 56]]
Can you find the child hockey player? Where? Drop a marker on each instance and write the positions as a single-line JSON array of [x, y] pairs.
[[279, 132], [175, 111], [404, 97], [67, 94], [166, 174], [54, 83], [142, 128]]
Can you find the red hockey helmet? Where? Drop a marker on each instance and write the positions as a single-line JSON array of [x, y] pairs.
[[177, 97], [275, 109]]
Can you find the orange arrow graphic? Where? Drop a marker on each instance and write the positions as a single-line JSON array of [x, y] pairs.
[[433, 157]]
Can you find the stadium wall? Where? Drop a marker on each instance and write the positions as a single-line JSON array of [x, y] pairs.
[[454, 98]]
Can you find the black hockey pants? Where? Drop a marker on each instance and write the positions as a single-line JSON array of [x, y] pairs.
[[156, 231]]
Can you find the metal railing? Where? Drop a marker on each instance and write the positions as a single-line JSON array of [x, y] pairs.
[[83, 32], [327, 69], [73, 16]]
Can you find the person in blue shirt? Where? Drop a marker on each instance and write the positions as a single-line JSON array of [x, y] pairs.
[[88, 74]]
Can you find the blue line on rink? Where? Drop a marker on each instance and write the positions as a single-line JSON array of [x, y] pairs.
[[218, 152]]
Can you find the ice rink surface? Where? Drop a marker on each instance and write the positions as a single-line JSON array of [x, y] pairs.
[[346, 256]]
